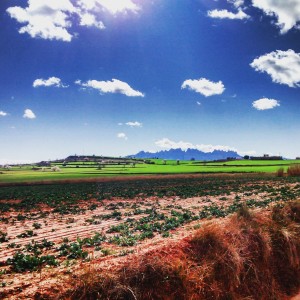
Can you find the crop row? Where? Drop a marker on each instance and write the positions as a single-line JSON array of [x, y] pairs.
[[60, 196]]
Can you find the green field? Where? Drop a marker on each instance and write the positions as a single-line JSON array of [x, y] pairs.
[[86, 170]]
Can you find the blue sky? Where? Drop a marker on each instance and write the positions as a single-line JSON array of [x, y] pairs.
[[110, 77]]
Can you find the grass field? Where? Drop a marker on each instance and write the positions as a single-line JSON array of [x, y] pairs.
[[86, 170]]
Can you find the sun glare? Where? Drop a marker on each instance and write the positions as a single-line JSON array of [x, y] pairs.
[[117, 6]]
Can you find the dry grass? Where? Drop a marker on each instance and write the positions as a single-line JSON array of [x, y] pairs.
[[248, 256], [294, 170], [280, 172]]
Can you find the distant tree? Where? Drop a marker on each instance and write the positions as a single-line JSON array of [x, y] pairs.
[[178, 162], [246, 157]]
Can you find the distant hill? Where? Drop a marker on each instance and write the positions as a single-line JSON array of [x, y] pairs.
[[187, 154]]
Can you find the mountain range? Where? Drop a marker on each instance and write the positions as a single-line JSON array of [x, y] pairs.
[[189, 154]]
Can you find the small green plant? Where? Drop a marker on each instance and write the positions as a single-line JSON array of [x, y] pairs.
[[3, 272], [11, 245], [21, 217], [3, 237], [36, 225], [23, 262], [197, 226], [107, 251], [165, 234], [72, 251], [27, 233]]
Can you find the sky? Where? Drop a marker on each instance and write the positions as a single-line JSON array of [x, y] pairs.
[[114, 77]]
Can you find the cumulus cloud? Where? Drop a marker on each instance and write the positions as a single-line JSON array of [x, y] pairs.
[[204, 86], [53, 20], [115, 86], [122, 135], [3, 113], [286, 12], [282, 66], [29, 114], [134, 124], [51, 81], [169, 144], [45, 19], [225, 14], [265, 103]]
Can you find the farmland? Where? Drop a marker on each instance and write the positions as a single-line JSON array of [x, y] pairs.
[[91, 170], [49, 231]]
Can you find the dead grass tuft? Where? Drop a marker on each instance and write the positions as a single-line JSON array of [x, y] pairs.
[[294, 170], [280, 172], [248, 256]]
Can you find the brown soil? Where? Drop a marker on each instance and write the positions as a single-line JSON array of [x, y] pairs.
[[56, 227]]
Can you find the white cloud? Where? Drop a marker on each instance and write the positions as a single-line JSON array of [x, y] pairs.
[[250, 153], [282, 66], [204, 86], [225, 14], [122, 135], [198, 103], [286, 12], [134, 124], [53, 20], [169, 144], [51, 81], [29, 114], [112, 6], [88, 20], [237, 3], [114, 86], [45, 19], [265, 103], [3, 113]]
